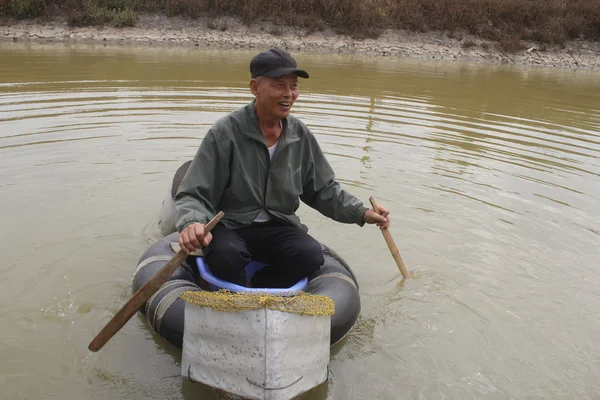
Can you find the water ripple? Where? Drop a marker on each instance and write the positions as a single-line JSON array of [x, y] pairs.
[[491, 176]]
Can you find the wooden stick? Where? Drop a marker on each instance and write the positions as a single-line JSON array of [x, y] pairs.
[[391, 245], [143, 294]]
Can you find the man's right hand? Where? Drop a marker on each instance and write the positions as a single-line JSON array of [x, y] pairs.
[[192, 238]]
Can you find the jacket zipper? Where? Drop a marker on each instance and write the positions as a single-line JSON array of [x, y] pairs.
[[270, 161], [278, 150]]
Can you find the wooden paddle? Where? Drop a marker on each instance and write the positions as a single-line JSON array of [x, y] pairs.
[[144, 293], [391, 245]]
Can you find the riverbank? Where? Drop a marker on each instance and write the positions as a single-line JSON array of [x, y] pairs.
[[228, 32]]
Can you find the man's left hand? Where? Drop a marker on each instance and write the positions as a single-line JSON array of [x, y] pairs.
[[382, 219]]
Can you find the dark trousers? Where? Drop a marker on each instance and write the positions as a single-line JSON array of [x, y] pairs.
[[291, 254]]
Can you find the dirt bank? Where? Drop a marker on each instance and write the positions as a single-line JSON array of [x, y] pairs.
[[156, 30]]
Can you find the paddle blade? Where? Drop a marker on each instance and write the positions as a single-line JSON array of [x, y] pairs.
[[143, 294]]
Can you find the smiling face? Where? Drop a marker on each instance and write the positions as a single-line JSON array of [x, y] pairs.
[[274, 96]]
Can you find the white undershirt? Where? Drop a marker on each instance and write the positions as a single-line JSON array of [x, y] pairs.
[[264, 216]]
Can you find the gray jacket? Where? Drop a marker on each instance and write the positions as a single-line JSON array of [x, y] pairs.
[[232, 172]]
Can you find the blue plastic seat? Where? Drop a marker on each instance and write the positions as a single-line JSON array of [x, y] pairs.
[[251, 269]]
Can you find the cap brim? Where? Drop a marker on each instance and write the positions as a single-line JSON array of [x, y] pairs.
[[278, 72]]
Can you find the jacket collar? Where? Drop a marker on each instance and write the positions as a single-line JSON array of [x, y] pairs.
[[253, 128]]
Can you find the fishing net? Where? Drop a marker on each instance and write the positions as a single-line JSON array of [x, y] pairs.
[[225, 300]]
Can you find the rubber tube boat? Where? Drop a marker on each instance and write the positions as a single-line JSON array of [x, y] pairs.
[[165, 310]]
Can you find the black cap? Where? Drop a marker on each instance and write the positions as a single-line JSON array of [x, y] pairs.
[[275, 63]]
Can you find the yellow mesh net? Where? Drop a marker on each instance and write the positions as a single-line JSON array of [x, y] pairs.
[[224, 300]]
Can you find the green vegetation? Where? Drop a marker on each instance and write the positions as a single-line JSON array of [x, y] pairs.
[[507, 22]]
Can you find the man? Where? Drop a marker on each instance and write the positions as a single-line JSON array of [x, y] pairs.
[[255, 164]]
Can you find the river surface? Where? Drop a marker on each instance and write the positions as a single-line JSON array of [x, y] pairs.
[[492, 175]]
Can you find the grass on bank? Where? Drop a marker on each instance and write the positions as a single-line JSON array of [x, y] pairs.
[[507, 22]]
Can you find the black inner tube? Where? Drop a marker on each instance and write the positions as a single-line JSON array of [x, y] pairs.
[[165, 310]]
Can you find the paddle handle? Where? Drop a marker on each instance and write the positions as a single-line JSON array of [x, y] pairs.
[[143, 294], [391, 245]]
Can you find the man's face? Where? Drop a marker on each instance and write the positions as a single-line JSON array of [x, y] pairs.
[[275, 96]]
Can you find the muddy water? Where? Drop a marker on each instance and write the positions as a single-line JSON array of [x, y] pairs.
[[491, 173]]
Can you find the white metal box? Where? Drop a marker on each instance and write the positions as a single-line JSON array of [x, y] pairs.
[[256, 354]]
